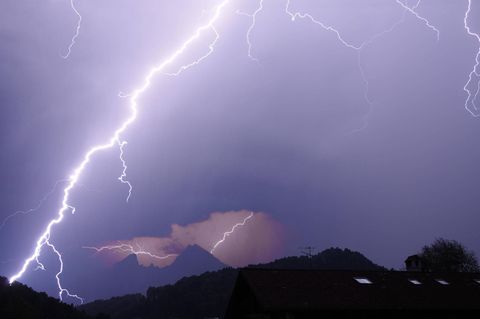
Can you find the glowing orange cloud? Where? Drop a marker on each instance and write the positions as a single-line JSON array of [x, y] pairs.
[[236, 238]]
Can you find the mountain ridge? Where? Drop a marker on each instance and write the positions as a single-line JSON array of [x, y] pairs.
[[207, 294], [193, 260]]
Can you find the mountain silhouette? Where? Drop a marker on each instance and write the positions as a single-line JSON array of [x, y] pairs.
[[207, 294], [176, 291], [128, 277], [194, 260]]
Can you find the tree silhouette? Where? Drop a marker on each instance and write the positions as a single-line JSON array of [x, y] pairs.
[[445, 255]]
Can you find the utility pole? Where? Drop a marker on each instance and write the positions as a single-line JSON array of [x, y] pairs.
[[308, 251]]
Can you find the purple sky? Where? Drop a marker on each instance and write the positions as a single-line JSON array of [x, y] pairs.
[[291, 136]]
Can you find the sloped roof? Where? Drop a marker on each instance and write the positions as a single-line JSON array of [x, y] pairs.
[[324, 289]]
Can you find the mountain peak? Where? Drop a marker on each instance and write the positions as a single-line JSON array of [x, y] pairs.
[[130, 262], [195, 259], [194, 249]]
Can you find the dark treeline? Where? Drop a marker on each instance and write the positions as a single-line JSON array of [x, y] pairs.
[[207, 295], [21, 302], [200, 296]]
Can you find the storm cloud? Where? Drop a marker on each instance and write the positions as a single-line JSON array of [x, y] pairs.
[[369, 150]]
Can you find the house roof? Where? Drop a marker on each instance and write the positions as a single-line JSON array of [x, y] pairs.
[[334, 289], [413, 257]]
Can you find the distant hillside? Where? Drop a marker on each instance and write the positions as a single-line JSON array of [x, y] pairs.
[[207, 295], [18, 301], [332, 258], [204, 296]]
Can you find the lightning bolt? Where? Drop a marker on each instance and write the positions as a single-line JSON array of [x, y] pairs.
[[129, 250], [295, 15], [253, 16], [366, 82], [114, 140], [474, 74], [34, 209], [57, 276], [124, 171], [412, 11], [415, 6], [77, 30], [211, 48], [360, 47], [231, 231]]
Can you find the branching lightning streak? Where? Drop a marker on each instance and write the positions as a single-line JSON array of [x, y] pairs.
[[253, 16], [474, 101], [359, 48], [77, 30], [296, 15], [130, 250], [31, 210], [122, 177], [366, 82], [57, 276], [113, 140], [416, 4], [470, 105], [211, 48], [415, 13], [231, 231]]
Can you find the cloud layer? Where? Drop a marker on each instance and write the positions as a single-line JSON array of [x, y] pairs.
[[243, 238]]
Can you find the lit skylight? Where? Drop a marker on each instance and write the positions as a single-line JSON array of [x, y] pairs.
[[477, 281], [415, 282], [363, 280], [442, 282]]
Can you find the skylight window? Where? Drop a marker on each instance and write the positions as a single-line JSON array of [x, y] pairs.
[[415, 282], [477, 281], [442, 282], [363, 280]]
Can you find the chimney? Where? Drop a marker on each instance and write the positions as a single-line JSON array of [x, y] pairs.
[[413, 263]]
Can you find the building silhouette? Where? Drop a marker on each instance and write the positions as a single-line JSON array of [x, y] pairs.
[[293, 294]]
